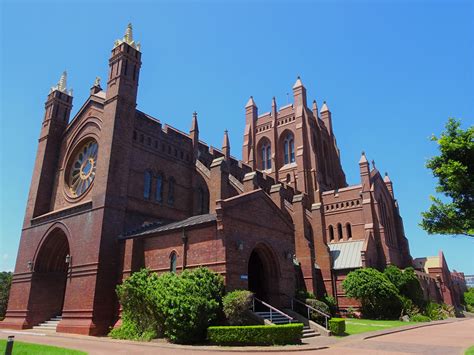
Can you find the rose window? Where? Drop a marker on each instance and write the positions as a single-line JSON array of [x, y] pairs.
[[82, 169]]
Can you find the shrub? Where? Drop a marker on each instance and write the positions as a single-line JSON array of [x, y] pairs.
[[235, 305], [256, 334], [179, 306], [188, 303], [436, 311], [408, 307], [5, 283], [419, 318], [406, 282], [331, 302], [378, 296], [139, 312], [337, 326], [469, 297], [320, 306]]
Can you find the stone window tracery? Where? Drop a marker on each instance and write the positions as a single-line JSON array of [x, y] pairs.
[[289, 149], [82, 169]]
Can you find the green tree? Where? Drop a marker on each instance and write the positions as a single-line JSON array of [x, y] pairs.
[[454, 169], [406, 282], [378, 296], [5, 283]]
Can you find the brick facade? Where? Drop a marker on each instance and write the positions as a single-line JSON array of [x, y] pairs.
[[282, 205]]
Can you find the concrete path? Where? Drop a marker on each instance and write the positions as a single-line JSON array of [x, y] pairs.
[[441, 338]]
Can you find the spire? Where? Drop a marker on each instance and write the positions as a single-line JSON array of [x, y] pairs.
[[274, 103], [363, 158], [62, 85], [386, 178], [194, 123], [298, 83], [250, 102], [226, 145], [128, 38], [389, 185], [324, 108], [315, 109]]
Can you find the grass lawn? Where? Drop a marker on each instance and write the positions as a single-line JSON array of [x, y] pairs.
[[356, 326], [470, 351], [20, 348]]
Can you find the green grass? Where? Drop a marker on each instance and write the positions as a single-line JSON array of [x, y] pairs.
[[20, 348], [357, 326], [469, 351]]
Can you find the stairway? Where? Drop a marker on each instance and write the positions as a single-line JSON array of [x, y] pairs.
[[49, 325], [309, 332], [275, 318]]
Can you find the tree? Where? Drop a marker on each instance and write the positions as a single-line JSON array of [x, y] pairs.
[[454, 169], [378, 296], [5, 283], [406, 282]]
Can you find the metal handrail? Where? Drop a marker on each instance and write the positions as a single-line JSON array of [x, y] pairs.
[[309, 309], [272, 309]]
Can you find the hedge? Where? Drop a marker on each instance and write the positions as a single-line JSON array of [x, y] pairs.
[[256, 334], [419, 318], [337, 326]]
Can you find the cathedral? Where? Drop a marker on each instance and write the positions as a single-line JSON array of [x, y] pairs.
[[115, 190]]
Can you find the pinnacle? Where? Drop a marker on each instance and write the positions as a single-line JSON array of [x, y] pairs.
[[250, 102], [386, 178], [128, 38], [62, 85], [298, 83], [324, 108], [194, 123], [363, 159], [225, 141]]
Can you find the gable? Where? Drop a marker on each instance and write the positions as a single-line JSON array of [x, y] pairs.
[[257, 208]]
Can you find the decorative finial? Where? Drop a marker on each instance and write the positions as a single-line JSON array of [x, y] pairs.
[[97, 81], [62, 85], [373, 163], [128, 38], [195, 114], [324, 108]]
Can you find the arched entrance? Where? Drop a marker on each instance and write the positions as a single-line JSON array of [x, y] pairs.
[[263, 271], [50, 270]]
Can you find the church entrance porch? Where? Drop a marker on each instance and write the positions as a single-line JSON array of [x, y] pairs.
[[49, 278], [263, 272]]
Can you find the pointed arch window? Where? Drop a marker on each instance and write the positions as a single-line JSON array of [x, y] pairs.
[[348, 231], [159, 189], [173, 259], [339, 231], [147, 185], [331, 233], [266, 157], [289, 148], [171, 191]]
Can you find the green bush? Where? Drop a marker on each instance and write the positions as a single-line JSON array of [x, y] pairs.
[[337, 326], [320, 306], [188, 303], [378, 296], [331, 302], [5, 283], [419, 318], [140, 319], [256, 334], [469, 297], [180, 307], [407, 283], [235, 304], [408, 307]]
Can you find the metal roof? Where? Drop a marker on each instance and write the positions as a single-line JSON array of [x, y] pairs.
[[346, 255], [159, 227]]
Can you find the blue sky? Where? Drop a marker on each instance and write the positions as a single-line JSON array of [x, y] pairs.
[[391, 72]]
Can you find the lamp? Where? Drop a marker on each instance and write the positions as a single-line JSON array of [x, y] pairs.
[[240, 245], [30, 265], [68, 259]]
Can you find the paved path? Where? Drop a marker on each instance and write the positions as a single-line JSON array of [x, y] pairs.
[[447, 338]]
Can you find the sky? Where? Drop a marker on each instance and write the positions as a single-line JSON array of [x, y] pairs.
[[392, 72]]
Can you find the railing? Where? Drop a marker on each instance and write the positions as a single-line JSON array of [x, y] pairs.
[[310, 309], [272, 310]]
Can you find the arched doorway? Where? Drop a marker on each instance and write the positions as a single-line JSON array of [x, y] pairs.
[[263, 271], [50, 270]]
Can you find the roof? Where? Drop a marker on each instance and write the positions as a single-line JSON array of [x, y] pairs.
[[427, 262], [158, 227], [346, 255]]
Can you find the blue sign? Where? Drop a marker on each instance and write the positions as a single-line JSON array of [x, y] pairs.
[[244, 277]]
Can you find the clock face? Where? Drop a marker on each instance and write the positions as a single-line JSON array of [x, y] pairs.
[[82, 169]]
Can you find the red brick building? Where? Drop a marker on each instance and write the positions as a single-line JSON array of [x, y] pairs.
[[115, 190]]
